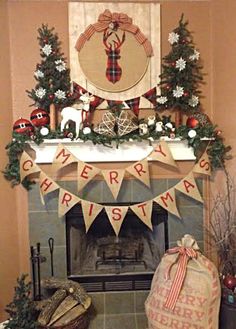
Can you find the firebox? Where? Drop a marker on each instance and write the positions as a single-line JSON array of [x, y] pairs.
[[101, 261]]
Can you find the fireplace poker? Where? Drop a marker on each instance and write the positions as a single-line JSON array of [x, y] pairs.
[[51, 249], [32, 258], [38, 267]]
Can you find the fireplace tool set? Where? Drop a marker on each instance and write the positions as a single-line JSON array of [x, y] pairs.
[[36, 260]]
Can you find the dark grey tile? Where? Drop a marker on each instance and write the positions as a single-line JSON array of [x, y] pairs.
[[142, 322], [119, 302], [124, 193], [98, 322], [43, 225], [92, 191], [140, 192], [140, 298], [98, 302], [59, 261], [158, 186], [35, 204], [121, 321]]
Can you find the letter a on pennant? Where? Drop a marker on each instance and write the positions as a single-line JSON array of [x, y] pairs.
[[167, 201], [116, 217], [85, 173], [62, 157], [140, 170], [114, 180], [90, 212], [66, 201], [189, 187], [203, 165], [144, 212], [27, 166], [163, 154]]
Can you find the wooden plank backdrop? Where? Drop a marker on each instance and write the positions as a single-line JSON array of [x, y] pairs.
[[145, 15]]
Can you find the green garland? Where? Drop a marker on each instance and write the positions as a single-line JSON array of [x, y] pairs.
[[216, 149]]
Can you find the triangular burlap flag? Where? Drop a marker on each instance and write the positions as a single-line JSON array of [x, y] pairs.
[[189, 187], [140, 170], [63, 157], [167, 201], [27, 166], [114, 180], [46, 184], [163, 154], [90, 212], [203, 166], [66, 201], [116, 216], [144, 212], [86, 173]]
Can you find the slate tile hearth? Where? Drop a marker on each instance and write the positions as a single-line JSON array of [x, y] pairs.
[[112, 310]]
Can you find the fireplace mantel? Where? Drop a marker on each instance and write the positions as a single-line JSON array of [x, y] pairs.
[[127, 152]]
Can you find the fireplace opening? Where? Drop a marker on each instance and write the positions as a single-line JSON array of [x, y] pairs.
[[102, 261]]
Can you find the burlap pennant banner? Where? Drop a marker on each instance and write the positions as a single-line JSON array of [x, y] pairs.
[[167, 201], [27, 166], [114, 179], [189, 187], [116, 216], [203, 165], [66, 201], [86, 173], [144, 212], [62, 157], [90, 212], [140, 170], [46, 185], [163, 154]]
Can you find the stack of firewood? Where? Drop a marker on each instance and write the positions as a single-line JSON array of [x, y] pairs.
[[66, 308]]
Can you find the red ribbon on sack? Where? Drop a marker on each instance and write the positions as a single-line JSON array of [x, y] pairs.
[[184, 255], [122, 21]]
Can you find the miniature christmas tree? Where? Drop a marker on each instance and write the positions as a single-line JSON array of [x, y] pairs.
[[181, 76], [21, 310], [52, 75]]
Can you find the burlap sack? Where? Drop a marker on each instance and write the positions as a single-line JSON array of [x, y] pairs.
[[185, 291]]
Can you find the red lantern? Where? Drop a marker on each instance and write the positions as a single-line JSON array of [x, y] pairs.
[[39, 118], [192, 122], [23, 126], [230, 282]]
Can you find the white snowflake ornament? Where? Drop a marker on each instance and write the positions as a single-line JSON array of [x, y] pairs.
[[194, 56], [192, 133], [180, 64], [40, 92], [60, 65], [173, 38], [60, 94], [162, 99], [178, 92], [194, 100], [38, 74], [47, 49]]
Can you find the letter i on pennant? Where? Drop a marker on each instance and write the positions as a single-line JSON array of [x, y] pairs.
[[90, 212]]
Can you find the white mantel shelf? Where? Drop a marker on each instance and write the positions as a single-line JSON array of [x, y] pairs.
[[127, 152]]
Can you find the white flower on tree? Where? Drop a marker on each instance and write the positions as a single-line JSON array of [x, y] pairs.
[[193, 101], [178, 92], [180, 64], [195, 55], [39, 74], [60, 65], [173, 37], [162, 99], [60, 94], [47, 49], [40, 92]]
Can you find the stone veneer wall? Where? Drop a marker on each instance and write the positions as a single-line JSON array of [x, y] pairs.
[[113, 310]]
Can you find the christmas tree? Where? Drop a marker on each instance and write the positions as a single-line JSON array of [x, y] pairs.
[[21, 310], [181, 73], [52, 76]]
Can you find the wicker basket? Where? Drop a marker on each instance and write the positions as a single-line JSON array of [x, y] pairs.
[[81, 322]]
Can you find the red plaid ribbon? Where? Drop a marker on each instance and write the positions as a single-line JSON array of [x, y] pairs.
[[112, 103], [134, 105], [184, 254], [151, 95]]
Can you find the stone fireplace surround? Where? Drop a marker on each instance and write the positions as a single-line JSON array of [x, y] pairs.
[[113, 309]]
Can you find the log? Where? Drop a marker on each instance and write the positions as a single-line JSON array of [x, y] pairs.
[[70, 316], [66, 305], [71, 287], [53, 302]]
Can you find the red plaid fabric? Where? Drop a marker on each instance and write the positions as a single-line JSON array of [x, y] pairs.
[[113, 103], [134, 105], [77, 92], [113, 71], [151, 95]]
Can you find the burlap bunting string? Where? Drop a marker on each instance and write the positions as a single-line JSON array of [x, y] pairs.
[[124, 23]]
